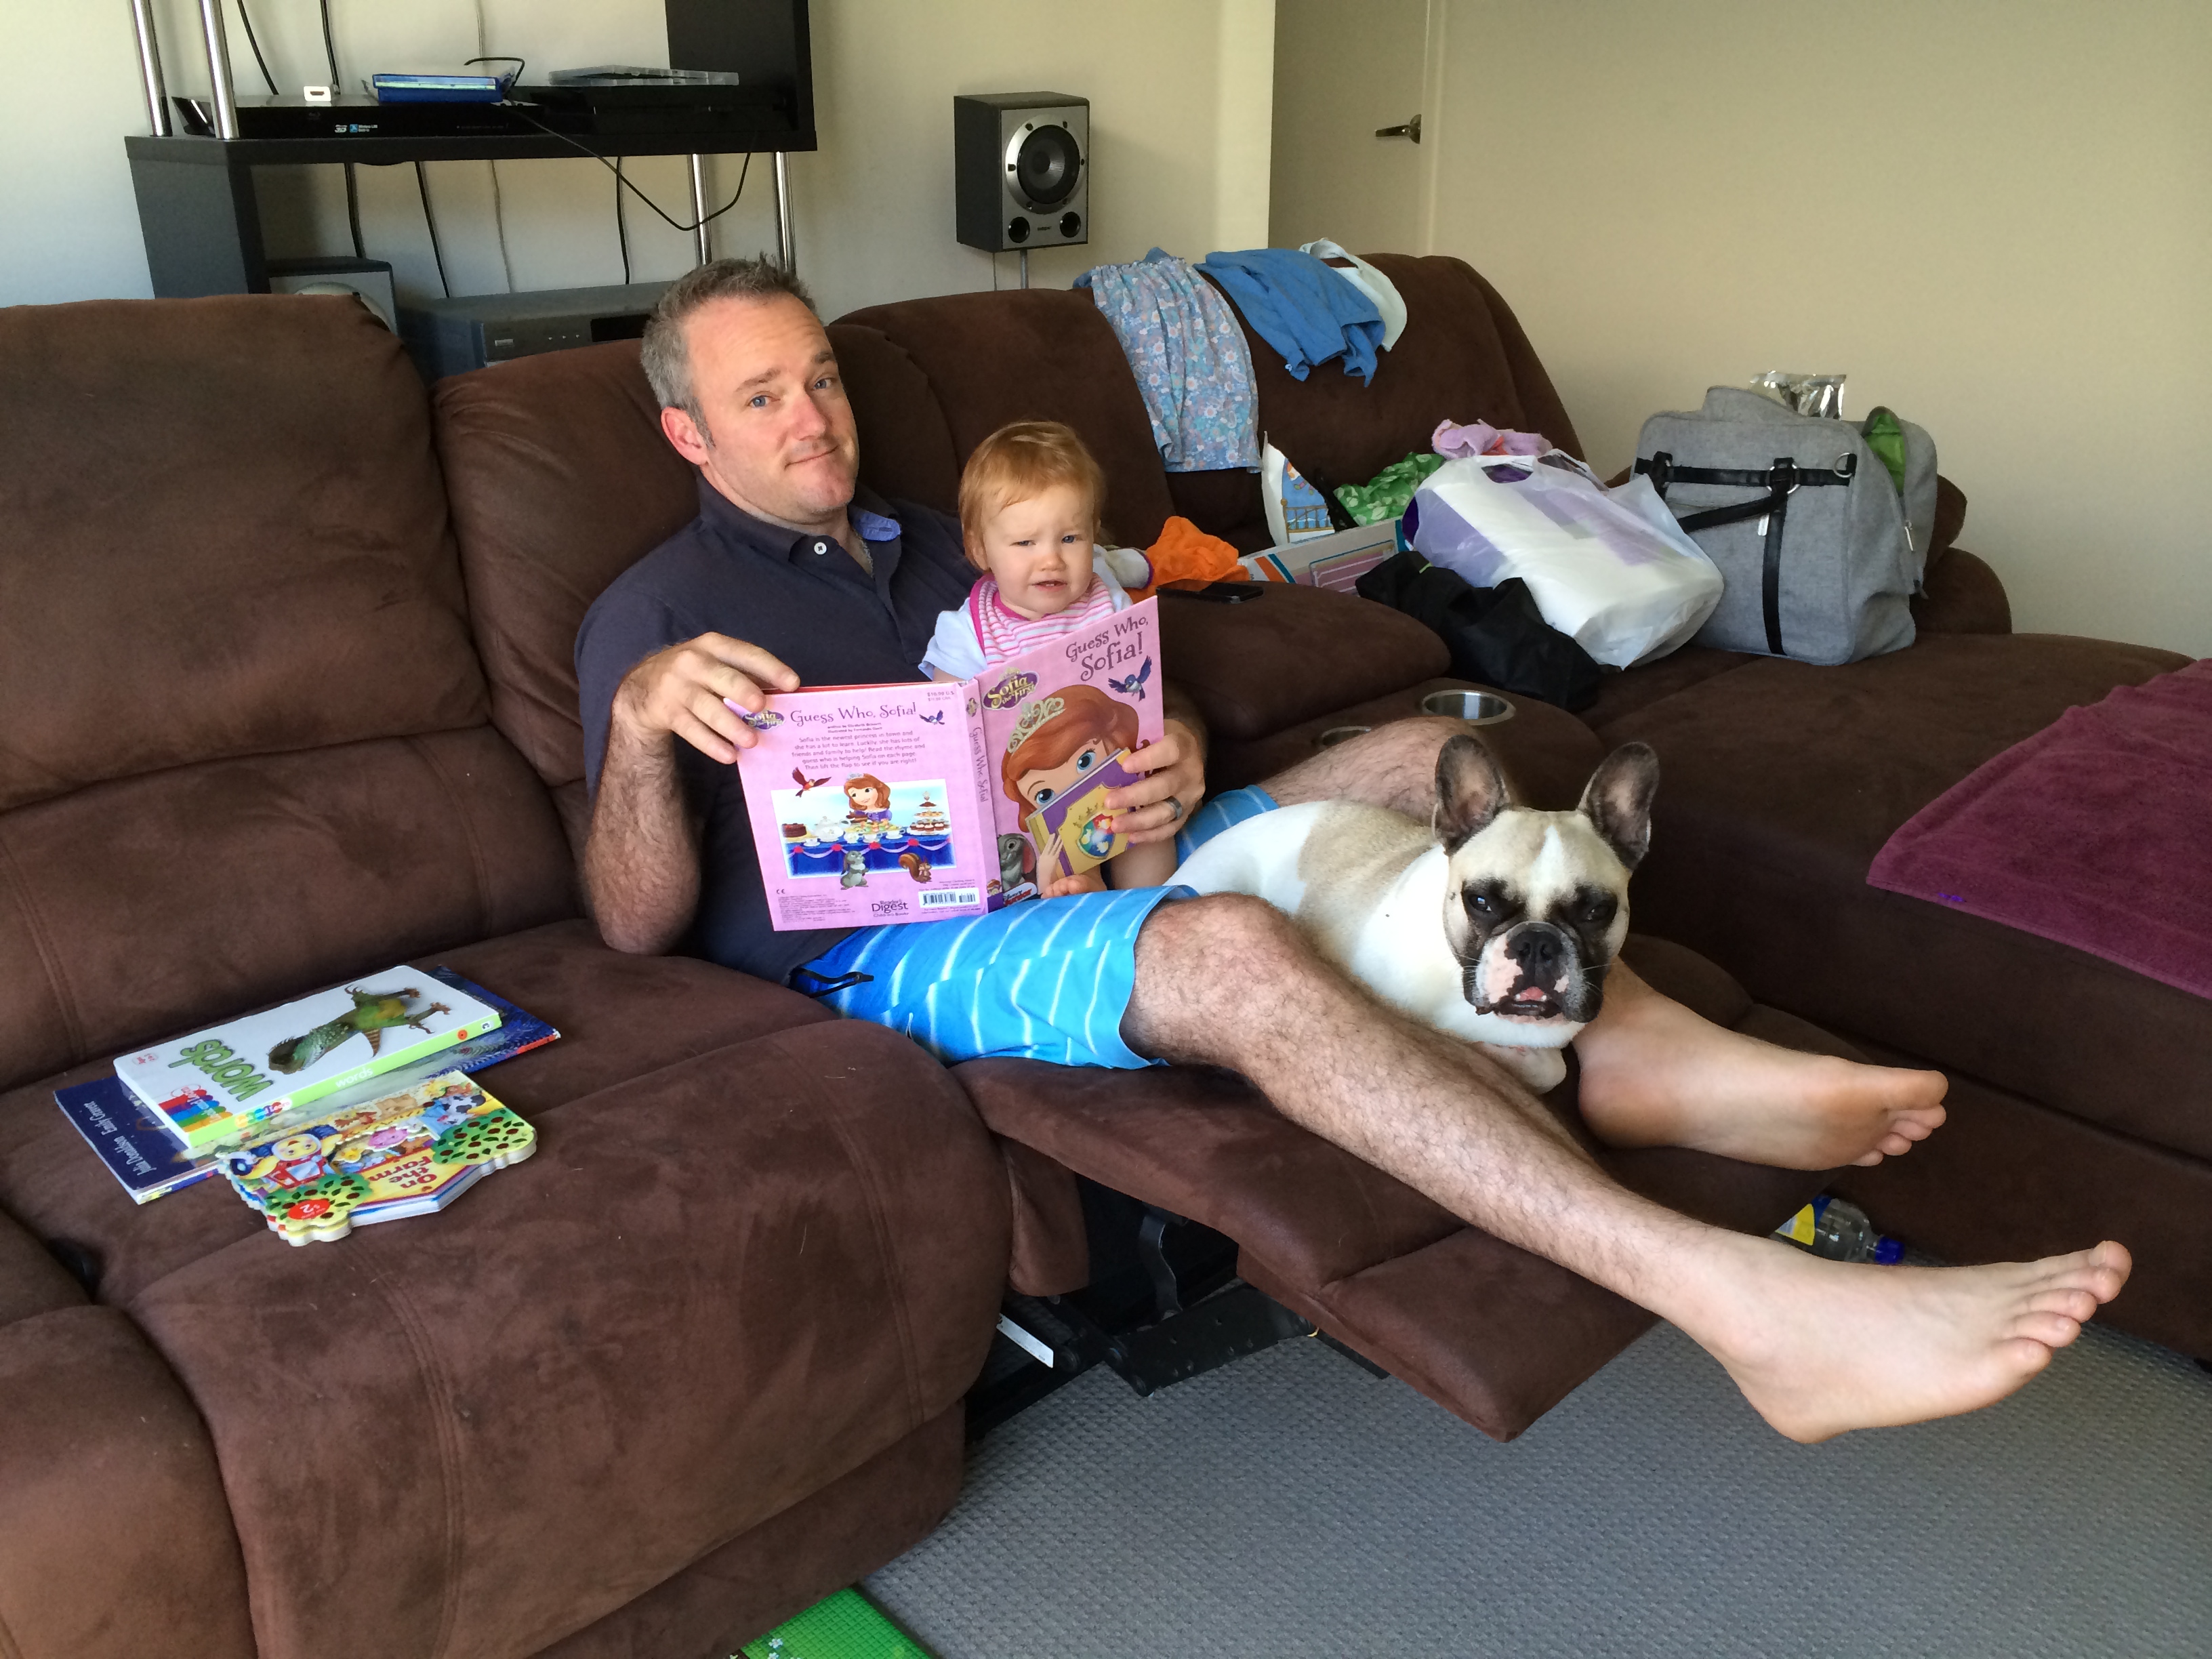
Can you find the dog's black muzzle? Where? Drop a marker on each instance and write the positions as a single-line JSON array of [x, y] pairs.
[[1549, 980]]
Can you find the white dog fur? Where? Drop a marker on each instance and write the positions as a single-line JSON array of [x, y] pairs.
[[1494, 922]]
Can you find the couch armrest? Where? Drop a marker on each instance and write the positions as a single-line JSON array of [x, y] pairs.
[[115, 1537], [1962, 595]]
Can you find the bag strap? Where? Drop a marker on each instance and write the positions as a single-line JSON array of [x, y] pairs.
[[1781, 480]]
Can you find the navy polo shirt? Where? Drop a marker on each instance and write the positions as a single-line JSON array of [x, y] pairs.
[[805, 599]]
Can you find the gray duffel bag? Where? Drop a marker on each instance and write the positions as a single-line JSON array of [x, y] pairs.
[[1819, 547]]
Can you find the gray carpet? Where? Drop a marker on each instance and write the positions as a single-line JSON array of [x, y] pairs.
[[1293, 1504]]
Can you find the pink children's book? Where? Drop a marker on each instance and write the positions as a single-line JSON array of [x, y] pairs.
[[874, 804]]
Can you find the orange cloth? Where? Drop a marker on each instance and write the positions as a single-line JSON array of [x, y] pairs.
[[1184, 552]]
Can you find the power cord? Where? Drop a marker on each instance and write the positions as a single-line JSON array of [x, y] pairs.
[[506, 83], [622, 230], [423, 189], [246, 18], [623, 183]]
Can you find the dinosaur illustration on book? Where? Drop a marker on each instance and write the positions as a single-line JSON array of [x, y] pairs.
[[374, 1013]]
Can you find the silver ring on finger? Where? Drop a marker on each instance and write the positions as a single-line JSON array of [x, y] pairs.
[[1174, 810]]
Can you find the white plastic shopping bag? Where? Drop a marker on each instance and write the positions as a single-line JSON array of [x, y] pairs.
[[1611, 567]]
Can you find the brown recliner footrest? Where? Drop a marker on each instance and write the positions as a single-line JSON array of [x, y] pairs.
[[1491, 1333]]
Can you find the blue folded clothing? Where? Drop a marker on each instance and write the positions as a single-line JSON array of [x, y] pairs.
[[1301, 307], [1191, 364]]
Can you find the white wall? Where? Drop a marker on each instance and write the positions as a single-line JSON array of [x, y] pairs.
[[1993, 213], [1181, 94]]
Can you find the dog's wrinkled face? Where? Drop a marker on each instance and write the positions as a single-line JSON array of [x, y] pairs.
[[1536, 903]]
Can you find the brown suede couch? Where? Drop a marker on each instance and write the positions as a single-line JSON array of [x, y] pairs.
[[284, 673]]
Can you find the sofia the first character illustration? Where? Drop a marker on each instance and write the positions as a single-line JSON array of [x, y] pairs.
[[870, 799], [1062, 739]]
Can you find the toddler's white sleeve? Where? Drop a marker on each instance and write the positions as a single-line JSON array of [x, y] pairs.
[[954, 648]]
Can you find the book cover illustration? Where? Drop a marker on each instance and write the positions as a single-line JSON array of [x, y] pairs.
[[217, 1084], [914, 802], [1060, 723], [409, 1152], [865, 808], [137, 1147]]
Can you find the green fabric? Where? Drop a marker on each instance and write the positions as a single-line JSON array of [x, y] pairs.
[[1887, 439], [843, 1627], [1387, 494]]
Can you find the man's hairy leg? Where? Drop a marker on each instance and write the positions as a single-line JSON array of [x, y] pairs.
[[1817, 1347], [1654, 1072]]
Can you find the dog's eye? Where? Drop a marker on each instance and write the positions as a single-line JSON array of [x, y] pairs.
[[1480, 904], [1598, 912]]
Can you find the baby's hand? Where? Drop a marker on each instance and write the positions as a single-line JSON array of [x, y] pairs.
[[1091, 881]]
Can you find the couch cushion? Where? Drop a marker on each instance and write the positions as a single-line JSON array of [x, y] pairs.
[[1038, 354], [712, 1291], [148, 905], [1289, 654], [31, 1280], [620, 1017], [1779, 782], [907, 449], [221, 533], [560, 482], [115, 1538], [1462, 357]]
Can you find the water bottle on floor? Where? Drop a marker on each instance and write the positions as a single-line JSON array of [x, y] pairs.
[[1828, 1226]]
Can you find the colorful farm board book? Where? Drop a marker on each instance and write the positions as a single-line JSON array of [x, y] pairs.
[[874, 804], [215, 1085], [409, 1152]]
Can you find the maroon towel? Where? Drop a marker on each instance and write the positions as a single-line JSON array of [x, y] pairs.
[[2096, 832]]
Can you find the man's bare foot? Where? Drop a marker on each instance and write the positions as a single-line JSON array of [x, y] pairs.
[[1655, 1074], [1819, 1347]]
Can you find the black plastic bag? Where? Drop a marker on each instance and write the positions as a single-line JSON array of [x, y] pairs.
[[1497, 634]]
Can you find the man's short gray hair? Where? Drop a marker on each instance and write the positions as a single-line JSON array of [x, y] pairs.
[[666, 357]]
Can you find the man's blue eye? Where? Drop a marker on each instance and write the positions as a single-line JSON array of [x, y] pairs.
[[759, 400]]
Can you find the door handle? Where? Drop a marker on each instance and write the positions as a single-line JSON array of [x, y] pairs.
[[1407, 129]]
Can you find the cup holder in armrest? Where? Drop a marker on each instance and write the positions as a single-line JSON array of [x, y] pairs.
[[1337, 734], [1475, 708]]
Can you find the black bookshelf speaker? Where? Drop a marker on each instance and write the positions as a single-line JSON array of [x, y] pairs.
[[1021, 169]]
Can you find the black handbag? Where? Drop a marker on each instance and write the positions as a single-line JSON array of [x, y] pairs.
[[1497, 634]]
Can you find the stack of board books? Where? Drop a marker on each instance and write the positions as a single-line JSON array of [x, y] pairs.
[[236, 1096]]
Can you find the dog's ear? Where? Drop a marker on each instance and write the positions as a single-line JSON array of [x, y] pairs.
[[1618, 800], [1470, 790]]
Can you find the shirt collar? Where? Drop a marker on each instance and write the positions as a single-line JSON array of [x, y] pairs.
[[869, 513]]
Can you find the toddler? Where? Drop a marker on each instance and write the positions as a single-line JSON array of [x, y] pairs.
[[1030, 500]]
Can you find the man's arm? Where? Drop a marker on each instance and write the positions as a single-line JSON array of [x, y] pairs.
[[641, 860]]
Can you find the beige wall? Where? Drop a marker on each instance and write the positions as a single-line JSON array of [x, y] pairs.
[[1996, 215], [1180, 89]]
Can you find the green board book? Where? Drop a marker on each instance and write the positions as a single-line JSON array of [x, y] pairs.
[[843, 1627]]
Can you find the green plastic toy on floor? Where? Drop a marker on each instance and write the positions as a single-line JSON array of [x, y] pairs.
[[843, 1627]]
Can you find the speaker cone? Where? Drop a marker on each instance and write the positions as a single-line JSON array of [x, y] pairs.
[[1046, 164]]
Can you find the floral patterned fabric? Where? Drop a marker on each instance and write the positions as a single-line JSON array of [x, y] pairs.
[[1189, 358]]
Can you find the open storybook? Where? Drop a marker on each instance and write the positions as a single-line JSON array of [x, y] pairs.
[[874, 804]]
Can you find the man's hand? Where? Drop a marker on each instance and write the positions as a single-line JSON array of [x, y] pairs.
[[1174, 784], [695, 689]]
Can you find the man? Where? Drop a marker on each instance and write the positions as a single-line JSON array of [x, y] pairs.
[[791, 576]]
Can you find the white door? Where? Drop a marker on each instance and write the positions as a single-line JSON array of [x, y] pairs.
[[1342, 71]]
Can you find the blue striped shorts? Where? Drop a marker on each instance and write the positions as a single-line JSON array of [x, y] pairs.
[[1046, 980]]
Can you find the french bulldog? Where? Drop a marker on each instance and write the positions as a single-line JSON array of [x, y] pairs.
[[1495, 922]]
